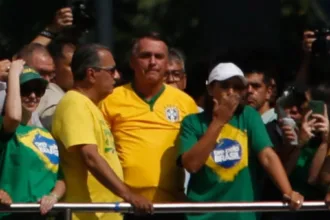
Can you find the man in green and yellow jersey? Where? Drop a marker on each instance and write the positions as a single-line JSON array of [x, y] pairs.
[[145, 118], [90, 163]]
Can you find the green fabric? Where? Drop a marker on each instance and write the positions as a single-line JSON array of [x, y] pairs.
[[29, 163], [29, 74], [153, 100], [299, 176], [206, 185]]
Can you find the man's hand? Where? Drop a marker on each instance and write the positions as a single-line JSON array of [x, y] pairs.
[[63, 18], [5, 198], [140, 204], [327, 200], [223, 111], [295, 200], [4, 69], [289, 133], [308, 39], [47, 203]]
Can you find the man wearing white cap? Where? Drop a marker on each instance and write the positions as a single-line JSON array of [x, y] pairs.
[[214, 146]]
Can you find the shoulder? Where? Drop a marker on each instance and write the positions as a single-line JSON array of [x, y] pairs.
[[120, 93], [194, 119], [178, 94]]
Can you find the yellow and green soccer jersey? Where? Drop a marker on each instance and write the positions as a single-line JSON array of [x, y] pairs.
[[78, 121], [226, 176], [145, 133]]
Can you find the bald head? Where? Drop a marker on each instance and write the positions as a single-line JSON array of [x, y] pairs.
[[38, 57]]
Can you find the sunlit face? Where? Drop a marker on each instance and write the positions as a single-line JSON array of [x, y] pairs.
[[233, 86], [258, 93], [105, 74], [175, 75], [31, 93], [149, 61], [63, 73]]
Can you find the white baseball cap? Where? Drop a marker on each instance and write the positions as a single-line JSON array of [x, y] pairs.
[[224, 71]]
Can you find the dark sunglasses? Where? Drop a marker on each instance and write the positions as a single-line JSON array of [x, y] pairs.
[[111, 69], [27, 90]]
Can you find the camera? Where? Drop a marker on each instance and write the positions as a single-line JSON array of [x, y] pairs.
[[321, 46], [83, 18]]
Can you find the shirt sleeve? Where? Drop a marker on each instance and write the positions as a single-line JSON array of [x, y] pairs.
[[187, 136], [75, 125], [257, 133]]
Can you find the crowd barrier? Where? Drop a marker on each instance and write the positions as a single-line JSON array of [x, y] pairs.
[[68, 208]]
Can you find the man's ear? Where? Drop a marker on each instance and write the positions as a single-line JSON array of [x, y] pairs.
[[269, 92], [90, 75]]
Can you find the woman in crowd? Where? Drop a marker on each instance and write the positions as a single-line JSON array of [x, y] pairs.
[[29, 160], [215, 147]]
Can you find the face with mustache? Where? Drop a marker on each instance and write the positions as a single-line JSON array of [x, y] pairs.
[[149, 61]]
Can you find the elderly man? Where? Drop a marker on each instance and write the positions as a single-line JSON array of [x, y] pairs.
[[91, 167], [145, 117], [176, 73]]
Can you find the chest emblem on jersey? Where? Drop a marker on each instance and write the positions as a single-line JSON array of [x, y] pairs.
[[48, 147], [230, 154], [227, 153], [172, 113]]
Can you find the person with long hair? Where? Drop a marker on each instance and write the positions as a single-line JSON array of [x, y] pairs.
[[29, 158], [215, 146]]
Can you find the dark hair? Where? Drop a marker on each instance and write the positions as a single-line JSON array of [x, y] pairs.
[[84, 57], [27, 51], [175, 54], [268, 75], [150, 35], [56, 47]]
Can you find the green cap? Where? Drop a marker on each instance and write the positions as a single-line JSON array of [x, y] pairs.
[[29, 74]]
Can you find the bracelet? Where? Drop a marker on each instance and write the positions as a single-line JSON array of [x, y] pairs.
[[48, 34], [55, 196]]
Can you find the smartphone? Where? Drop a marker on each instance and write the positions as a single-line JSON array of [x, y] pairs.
[[316, 106]]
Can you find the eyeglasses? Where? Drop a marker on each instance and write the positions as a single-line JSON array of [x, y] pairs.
[[176, 74], [111, 69]]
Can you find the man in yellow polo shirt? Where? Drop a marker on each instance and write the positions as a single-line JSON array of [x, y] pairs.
[[145, 118], [91, 167]]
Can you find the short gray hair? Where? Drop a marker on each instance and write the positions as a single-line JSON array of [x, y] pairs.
[[176, 55]]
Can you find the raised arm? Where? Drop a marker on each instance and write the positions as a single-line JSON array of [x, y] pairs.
[[13, 105]]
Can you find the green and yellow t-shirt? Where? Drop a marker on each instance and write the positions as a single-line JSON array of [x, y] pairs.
[[78, 121], [29, 163], [145, 134], [226, 176]]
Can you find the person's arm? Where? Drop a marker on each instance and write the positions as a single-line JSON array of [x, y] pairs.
[[63, 18], [47, 202], [260, 143], [321, 126], [76, 120], [13, 106], [194, 159]]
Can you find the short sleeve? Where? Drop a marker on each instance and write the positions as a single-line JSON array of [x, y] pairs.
[[188, 136], [105, 111], [257, 133], [73, 125]]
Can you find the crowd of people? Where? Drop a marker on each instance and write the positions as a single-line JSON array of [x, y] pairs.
[[70, 133]]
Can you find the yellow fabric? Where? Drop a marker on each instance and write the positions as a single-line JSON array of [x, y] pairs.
[[78, 121], [241, 138], [145, 137]]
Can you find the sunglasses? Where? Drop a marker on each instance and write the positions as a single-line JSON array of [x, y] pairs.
[[111, 69], [27, 90]]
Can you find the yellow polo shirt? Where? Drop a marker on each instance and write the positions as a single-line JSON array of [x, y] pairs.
[[145, 133], [77, 121]]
